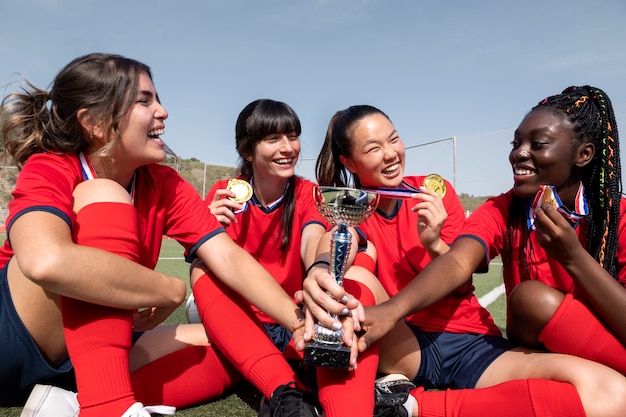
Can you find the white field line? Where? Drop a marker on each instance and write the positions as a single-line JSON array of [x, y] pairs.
[[492, 295]]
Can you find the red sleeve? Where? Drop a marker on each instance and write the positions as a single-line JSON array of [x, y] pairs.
[[167, 204], [46, 183], [488, 224], [456, 215], [220, 185], [308, 209]]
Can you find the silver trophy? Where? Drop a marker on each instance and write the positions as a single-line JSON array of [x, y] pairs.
[[343, 207]]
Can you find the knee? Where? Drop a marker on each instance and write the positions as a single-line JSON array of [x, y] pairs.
[[530, 306], [97, 191], [534, 299], [604, 394]]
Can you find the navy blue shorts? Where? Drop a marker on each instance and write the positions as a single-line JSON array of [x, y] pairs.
[[22, 364], [455, 360], [278, 335]]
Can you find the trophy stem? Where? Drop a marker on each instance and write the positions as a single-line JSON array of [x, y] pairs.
[[340, 250]]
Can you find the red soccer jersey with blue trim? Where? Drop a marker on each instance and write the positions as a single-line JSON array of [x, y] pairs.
[[488, 225], [166, 204], [401, 256], [257, 231]]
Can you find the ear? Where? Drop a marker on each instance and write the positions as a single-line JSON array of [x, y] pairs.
[[585, 154], [348, 163], [91, 129], [84, 118]]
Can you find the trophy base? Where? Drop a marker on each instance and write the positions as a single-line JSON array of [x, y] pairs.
[[327, 356]]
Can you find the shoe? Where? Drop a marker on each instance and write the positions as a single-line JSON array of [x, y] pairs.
[[289, 401], [138, 410], [191, 310], [391, 393], [50, 401]]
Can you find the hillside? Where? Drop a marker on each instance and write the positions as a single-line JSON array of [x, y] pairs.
[[192, 170]]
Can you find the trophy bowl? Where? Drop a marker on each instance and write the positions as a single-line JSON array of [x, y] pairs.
[[345, 206]]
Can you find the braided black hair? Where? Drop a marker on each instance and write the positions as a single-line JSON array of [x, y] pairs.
[[590, 111]]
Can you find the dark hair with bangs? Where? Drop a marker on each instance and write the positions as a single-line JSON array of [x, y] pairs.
[[256, 121]]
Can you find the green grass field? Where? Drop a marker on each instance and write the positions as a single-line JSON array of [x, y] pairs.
[[244, 401]]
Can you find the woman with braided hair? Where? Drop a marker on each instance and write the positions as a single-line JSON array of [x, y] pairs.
[[551, 152], [563, 268], [566, 285]]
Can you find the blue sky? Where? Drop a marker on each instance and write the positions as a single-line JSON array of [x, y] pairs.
[[440, 69]]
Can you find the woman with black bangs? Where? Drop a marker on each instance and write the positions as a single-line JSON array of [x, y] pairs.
[[276, 221]]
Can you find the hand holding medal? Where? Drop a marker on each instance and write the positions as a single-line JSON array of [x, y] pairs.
[[224, 205], [436, 183], [241, 189], [547, 196]]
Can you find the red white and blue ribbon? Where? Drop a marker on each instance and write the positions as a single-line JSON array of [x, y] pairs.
[[403, 191], [581, 208], [88, 172]]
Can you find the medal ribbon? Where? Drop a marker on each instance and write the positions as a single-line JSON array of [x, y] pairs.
[[404, 190], [89, 174], [581, 208]]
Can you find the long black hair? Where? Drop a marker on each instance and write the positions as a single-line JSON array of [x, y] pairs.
[[590, 111], [256, 121]]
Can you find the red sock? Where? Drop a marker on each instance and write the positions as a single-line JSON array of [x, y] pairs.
[[575, 330], [351, 393], [98, 338], [184, 378], [519, 398], [238, 334], [365, 261]]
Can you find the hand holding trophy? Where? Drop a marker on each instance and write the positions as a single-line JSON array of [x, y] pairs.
[[343, 207]]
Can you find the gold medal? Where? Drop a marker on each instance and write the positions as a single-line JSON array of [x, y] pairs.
[[241, 188], [549, 196], [435, 182]]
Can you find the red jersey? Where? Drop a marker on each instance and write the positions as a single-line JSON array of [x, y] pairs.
[[258, 232], [488, 225], [401, 257], [166, 204]]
